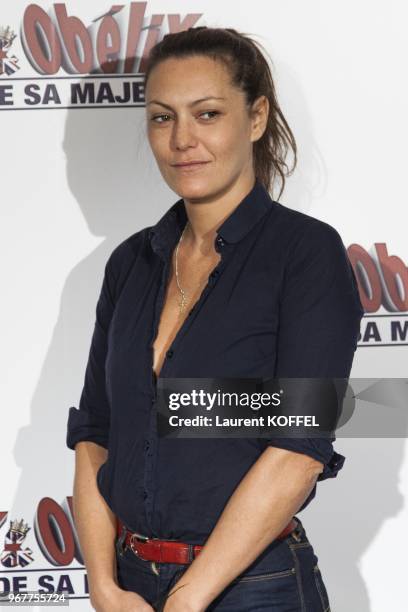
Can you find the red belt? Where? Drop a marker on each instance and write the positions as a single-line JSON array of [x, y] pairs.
[[168, 551]]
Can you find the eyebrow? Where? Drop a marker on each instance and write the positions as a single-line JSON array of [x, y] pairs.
[[190, 105]]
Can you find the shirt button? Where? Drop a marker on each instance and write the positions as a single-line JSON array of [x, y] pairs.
[[169, 354], [144, 495], [146, 445], [220, 241]]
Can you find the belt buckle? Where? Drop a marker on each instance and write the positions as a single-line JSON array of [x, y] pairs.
[[139, 537]]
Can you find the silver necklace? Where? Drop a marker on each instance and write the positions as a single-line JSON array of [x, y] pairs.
[[183, 300]]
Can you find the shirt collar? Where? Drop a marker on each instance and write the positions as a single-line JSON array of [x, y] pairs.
[[165, 234]]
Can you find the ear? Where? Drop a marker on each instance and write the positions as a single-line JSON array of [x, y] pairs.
[[259, 113]]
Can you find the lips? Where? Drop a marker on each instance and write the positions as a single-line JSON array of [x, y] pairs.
[[191, 163]]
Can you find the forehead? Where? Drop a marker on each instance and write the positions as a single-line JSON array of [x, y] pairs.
[[200, 76]]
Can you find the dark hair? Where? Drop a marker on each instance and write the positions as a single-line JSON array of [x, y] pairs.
[[251, 73]]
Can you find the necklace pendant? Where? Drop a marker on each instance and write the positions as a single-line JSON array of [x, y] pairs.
[[183, 303]]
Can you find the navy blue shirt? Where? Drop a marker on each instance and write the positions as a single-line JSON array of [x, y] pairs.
[[282, 301]]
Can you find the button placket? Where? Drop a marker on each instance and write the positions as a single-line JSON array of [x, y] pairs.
[[150, 448], [170, 354]]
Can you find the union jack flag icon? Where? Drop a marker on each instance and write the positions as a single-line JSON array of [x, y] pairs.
[[13, 554], [8, 65]]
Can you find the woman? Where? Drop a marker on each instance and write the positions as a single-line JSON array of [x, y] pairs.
[[228, 283]]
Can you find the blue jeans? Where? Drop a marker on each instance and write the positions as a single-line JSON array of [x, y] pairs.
[[284, 578]]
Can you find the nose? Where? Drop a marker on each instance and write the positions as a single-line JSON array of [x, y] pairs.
[[183, 135]]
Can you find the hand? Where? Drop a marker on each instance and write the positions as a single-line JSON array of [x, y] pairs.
[[175, 605], [115, 599], [181, 601]]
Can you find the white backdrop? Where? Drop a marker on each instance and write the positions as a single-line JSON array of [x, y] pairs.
[[76, 182]]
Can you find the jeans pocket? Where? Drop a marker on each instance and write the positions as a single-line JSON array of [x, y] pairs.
[[324, 598], [264, 576], [276, 590]]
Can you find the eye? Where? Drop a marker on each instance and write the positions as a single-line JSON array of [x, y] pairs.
[[163, 117], [214, 113], [155, 117]]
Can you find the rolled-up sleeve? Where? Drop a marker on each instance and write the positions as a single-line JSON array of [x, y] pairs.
[[91, 420], [319, 324]]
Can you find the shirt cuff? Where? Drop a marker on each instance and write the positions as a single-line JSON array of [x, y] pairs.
[[83, 426], [320, 449]]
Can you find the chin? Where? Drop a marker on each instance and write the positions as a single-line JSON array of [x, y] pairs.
[[193, 188]]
